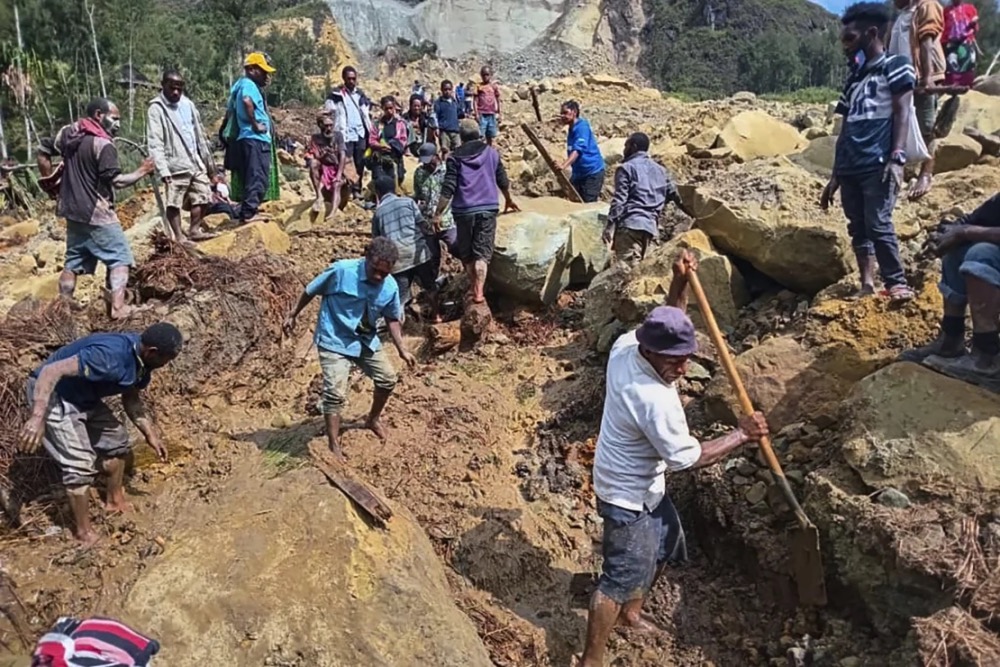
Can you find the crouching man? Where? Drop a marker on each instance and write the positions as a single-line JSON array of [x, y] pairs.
[[969, 250], [79, 431], [644, 433], [355, 293]]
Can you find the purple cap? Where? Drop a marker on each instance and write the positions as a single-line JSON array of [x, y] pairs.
[[668, 330]]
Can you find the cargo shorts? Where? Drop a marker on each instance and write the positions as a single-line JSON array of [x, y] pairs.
[[336, 370], [187, 190]]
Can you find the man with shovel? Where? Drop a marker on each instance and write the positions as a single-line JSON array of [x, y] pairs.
[[643, 434]]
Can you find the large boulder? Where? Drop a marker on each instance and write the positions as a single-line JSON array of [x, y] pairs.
[[613, 151], [549, 245], [817, 156], [910, 427], [620, 298], [240, 583], [754, 134], [989, 85], [785, 381], [769, 215], [247, 239], [954, 152], [977, 110]]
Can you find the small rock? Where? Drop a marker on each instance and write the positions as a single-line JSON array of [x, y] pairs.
[[26, 263], [850, 661], [696, 371], [893, 498], [756, 493], [815, 133], [746, 468], [740, 480], [744, 96], [281, 420], [796, 476]]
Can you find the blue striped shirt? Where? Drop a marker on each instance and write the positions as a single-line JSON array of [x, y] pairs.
[[865, 140]]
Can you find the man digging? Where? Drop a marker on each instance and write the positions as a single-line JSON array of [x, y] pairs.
[[643, 434], [79, 431], [355, 294]]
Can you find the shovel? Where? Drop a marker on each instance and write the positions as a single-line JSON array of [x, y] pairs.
[[807, 564]]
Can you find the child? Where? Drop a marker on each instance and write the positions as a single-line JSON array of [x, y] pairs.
[[220, 196], [486, 105]]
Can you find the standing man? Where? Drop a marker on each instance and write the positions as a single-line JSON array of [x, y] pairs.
[[399, 220], [474, 178], [582, 154], [177, 144], [79, 431], [927, 56], [355, 294], [447, 111], [460, 96], [325, 159], [642, 189], [486, 105], [644, 434], [428, 182], [89, 176], [871, 148], [352, 109], [251, 160]]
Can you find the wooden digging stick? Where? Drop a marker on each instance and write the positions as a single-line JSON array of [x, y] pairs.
[[564, 183]]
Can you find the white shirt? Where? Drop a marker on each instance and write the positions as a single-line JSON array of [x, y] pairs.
[[899, 38], [643, 432], [223, 190], [350, 120], [184, 114]]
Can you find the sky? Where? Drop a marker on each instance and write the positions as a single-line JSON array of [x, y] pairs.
[[835, 6]]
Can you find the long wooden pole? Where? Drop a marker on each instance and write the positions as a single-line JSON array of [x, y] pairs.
[[564, 183]]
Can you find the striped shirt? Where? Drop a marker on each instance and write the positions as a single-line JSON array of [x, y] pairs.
[[865, 141], [399, 219], [95, 642]]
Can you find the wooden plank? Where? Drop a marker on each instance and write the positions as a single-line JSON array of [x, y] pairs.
[[344, 479], [564, 183], [534, 103]]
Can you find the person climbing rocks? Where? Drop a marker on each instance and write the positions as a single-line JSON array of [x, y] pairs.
[[642, 189], [387, 142], [428, 182], [79, 431], [399, 219], [448, 112], [183, 158], [248, 136], [474, 178], [969, 248], [871, 149], [355, 294], [923, 21], [352, 109], [325, 159], [486, 105], [88, 178], [644, 434], [583, 154], [961, 25]]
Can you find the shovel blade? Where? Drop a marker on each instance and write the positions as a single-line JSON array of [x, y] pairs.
[[807, 567]]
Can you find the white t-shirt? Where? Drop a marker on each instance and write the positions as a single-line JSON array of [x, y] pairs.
[[643, 432], [899, 38], [223, 190]]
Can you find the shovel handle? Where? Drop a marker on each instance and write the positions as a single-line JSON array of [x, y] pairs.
[[747, 406]]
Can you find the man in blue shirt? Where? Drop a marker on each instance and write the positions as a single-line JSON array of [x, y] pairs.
[[355, 294], [447, 110], [69, 416], [251, 159], [583, 154], [871, 149]]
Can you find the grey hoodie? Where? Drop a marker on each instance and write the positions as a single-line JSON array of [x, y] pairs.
[[166, 142]]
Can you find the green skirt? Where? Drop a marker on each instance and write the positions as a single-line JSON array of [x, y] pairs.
[[273, 192]]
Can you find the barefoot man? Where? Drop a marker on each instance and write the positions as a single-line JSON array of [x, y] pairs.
[[355, 294], [643, 434], [79, 431]]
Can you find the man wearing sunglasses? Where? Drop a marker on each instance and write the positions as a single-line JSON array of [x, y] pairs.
[[183, 158]]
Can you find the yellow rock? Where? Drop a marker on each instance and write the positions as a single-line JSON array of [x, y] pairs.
[[954, 152], [26, 263], [613, 150], [50, 253], [607, 80], [248, 238], [979, 111], [21, 230], [45, 287], [754, 134]]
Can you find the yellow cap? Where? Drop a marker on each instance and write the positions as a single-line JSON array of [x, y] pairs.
[[260, 60]]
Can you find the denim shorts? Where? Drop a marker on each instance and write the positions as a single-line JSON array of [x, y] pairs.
[[635, 545], [86, 245], [488, 125], [979, 260]]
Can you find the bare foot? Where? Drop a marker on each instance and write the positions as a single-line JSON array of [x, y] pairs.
[[377, 428], [117, 506], [920, 188], [865, 291], [640, 623], [126, 312], [87, 539], [200, 235], [338, 453]]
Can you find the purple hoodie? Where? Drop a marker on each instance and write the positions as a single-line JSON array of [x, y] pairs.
[[474, 178]]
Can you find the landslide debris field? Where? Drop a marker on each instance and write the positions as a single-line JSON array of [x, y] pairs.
[[238, 551]]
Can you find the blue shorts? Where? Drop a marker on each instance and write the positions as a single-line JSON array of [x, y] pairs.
[[488, 125], [979, 260], [635, 546], [86, 245]]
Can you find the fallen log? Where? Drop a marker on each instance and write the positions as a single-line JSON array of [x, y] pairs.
[[344, 479]]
